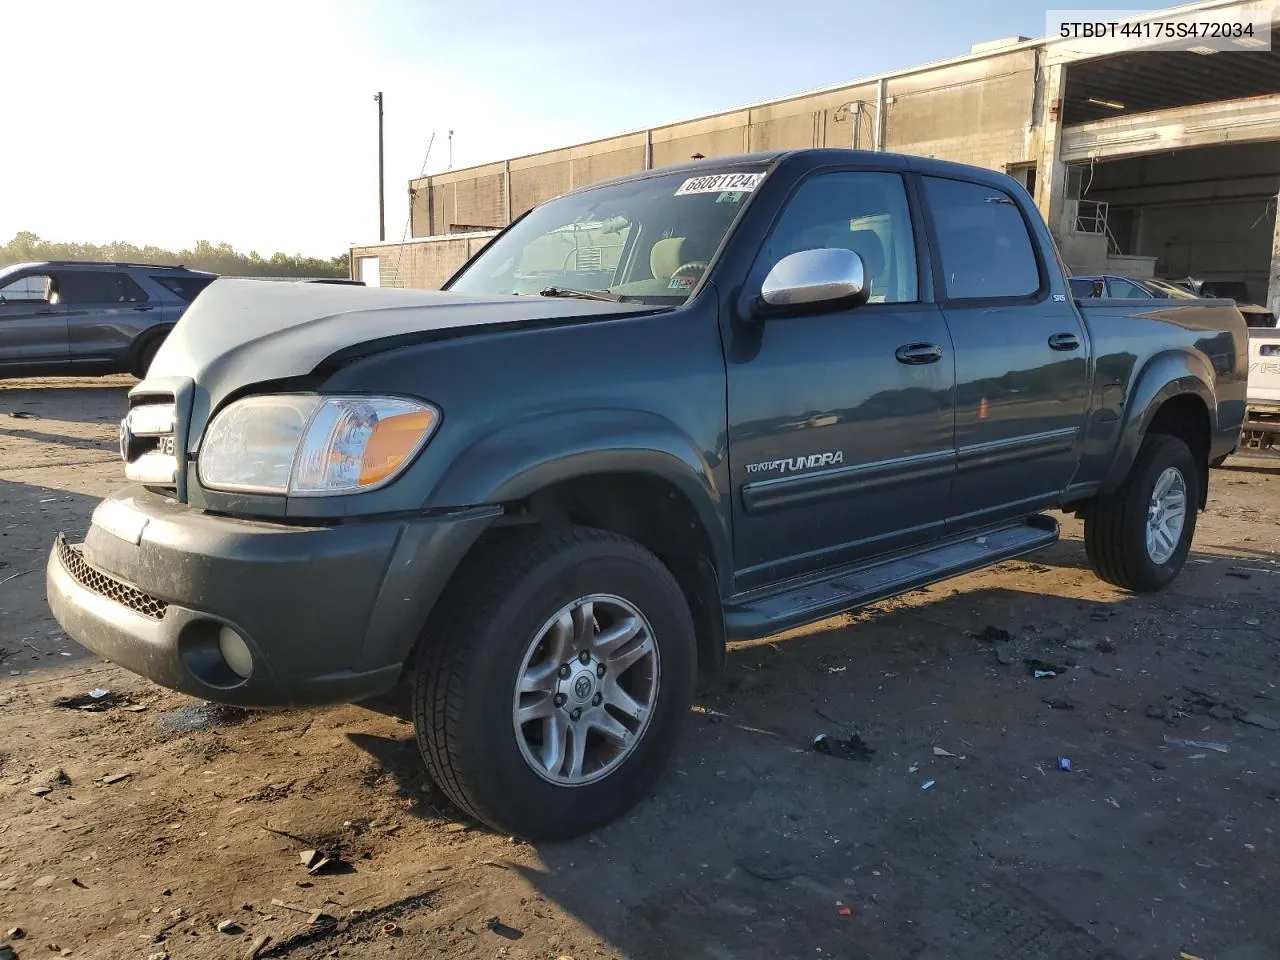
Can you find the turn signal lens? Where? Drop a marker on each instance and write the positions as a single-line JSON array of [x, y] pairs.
[[393, 441]]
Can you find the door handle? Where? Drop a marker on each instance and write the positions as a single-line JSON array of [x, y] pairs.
[[1064, 341], [918, 353], [143, 309]]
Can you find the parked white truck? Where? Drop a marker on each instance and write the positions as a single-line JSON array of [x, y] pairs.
[[1262, 423]]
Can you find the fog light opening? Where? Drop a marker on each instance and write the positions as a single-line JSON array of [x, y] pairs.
[[235, 652]]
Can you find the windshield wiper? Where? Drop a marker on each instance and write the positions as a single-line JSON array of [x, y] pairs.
[[580, 294]]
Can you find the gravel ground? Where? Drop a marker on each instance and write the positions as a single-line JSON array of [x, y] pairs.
[[946, 831]]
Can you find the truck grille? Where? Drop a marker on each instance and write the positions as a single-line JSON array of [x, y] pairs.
[[107, 586]]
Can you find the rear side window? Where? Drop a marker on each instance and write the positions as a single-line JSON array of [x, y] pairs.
[[1082, 288], [1126, 290], [185, 287], [983, 242], [98, 287]]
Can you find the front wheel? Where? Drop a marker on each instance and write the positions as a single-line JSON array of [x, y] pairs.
[[1138, 537], [552, 681]]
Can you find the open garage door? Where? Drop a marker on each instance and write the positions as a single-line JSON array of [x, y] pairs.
[[1207, 213]]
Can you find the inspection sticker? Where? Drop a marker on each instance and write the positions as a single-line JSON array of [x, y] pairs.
[[720, 182]]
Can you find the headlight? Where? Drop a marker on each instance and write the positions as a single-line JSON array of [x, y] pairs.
[[309, 445]]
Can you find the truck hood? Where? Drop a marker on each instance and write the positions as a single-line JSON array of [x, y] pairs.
[[241, 332]]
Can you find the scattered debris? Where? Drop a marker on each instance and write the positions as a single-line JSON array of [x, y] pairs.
[[1105, 646], [16, 933], [456, 827], [494, 863], [95, 701], [855, 748], [768, 866], [1252, 622], [229, 926], [1113, 802], [391, 930], [115, 778], [1041, 668], [843, 911], [836, 669], [48, 880], [1078, 644], [943, 752], [1239, 574], [1064, 764], [162, 955], [22, 415], [55, 778], [295, 907], [318, 916], [1058, 703], [1197, 744], [927, 784]]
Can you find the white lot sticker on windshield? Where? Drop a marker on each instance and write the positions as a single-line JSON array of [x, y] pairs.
[[721, 182]]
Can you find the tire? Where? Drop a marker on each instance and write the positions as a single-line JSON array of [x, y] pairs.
[[1115, 525], [146, 353], [481, 641], [1219, 461]]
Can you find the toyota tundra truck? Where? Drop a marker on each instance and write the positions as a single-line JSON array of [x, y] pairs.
[[685, 407]]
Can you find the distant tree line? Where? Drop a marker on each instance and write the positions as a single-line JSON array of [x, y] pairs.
[[217, 258]]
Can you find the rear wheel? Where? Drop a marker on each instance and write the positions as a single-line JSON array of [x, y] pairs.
[[1138, 537], [553, 680]]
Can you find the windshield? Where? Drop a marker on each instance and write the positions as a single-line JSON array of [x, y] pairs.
[[648, 240]]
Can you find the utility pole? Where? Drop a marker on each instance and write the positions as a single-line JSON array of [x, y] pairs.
[[382, 200]]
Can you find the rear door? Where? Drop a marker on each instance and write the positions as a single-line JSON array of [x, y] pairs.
[[106, 310], [1021, 353], [840, 422], [33, 325]]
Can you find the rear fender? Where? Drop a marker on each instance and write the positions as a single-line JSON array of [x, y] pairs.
[[1166, 375]]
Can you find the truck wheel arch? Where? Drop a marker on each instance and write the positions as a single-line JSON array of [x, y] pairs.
[[615, 470], [1173, 395]]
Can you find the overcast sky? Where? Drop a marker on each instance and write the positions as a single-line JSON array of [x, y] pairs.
[[254, 123]]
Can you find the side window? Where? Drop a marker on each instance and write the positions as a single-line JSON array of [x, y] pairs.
[[1126, 290], [983, 241], [1082, 288], [97, 286], [863, 212], [35, 288], [188, 288]]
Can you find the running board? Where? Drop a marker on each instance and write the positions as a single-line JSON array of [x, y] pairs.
[[761, 613]]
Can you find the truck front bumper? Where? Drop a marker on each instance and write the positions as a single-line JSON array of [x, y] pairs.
[[327, 614]]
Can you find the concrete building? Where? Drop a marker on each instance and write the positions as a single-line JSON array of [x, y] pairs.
[[1143, 162]]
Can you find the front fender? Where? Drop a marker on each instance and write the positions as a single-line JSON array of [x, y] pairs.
[[521, 458], [1165, 376]]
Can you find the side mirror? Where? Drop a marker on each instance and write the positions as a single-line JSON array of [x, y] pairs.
[[831, 276]]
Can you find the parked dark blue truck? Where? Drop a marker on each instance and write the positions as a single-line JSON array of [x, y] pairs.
[[688, 406]]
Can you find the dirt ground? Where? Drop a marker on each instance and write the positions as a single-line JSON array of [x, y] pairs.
[[133, 831]]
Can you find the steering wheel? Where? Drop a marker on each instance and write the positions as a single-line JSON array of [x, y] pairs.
[[693, 269]]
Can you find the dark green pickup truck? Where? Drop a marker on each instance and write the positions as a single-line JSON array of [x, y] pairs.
[[693, 405]]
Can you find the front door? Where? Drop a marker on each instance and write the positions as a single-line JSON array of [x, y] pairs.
[[33, 325], [1022, 371], [840, 423]]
